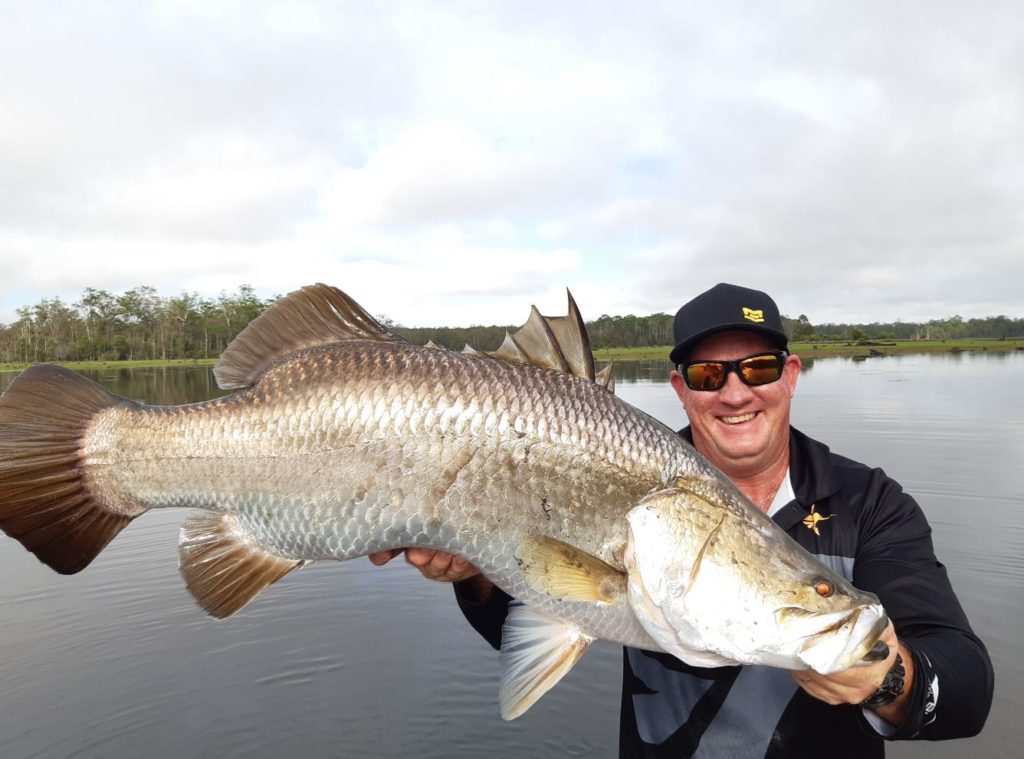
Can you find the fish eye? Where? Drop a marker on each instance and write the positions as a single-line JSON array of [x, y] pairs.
[[823, 587]]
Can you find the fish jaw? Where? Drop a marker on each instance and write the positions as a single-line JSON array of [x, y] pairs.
[[847, 642]]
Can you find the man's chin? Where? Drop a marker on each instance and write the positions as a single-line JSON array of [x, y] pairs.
[[741, 441]]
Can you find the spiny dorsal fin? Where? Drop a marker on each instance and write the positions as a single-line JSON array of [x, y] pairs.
[[566, 572], [223, 566], [315, 315], [554, 342], [536, 652]]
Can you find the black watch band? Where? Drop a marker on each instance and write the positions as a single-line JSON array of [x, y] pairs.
[[891, 687]]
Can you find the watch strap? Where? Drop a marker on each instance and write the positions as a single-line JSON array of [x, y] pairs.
[[891, 687]]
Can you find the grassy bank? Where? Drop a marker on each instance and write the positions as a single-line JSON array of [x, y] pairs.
[[858, 349], [92, 365], [897, 347], [861, 349]]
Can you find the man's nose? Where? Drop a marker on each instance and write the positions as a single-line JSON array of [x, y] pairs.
[[735, 391]]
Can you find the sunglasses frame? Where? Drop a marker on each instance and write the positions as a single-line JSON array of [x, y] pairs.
[[734, 366]]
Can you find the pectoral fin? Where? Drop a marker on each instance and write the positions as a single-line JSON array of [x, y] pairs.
[[564, 571], [223, 566], [536, 652]]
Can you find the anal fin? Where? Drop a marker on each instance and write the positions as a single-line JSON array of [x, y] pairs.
[[223, 566], [536, 652]]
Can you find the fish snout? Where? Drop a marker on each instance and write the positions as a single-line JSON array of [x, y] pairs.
[[843, 640]]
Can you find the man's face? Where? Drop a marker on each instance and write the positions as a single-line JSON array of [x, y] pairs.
[[742, 430]]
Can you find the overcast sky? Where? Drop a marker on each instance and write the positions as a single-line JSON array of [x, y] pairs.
[[454, 162]]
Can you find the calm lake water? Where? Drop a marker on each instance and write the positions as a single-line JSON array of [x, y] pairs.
[[352, 660]]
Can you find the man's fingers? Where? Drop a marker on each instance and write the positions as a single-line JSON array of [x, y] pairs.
[[851, 685], [440, 563], [435, 565], [381, 558], [420, 557]]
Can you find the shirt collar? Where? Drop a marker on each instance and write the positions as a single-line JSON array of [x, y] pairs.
[[783, 495]]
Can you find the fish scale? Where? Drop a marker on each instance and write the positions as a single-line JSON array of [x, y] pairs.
[[437, 468]]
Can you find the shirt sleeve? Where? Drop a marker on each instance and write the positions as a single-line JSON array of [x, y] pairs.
[[487, 616], [952, 689]]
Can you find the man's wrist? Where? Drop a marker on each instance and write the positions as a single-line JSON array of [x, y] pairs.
[[896, 713], [892, 686], [475, 590]]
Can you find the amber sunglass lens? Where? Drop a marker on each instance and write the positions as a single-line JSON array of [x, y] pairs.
[[760, 370], [708, 376]]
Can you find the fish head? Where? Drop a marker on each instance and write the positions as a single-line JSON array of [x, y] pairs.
[[714, 581]]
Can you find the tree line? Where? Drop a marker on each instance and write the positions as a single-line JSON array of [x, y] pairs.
[[141, 324]]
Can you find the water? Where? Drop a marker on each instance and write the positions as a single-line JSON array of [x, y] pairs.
[[352, 660]]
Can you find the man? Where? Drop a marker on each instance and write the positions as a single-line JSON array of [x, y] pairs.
[[736, 381]]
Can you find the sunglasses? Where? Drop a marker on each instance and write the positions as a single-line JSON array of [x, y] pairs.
[[759, 369]]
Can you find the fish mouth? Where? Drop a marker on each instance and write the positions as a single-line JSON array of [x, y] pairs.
[[873, 649], [851, 638], [879, 652]]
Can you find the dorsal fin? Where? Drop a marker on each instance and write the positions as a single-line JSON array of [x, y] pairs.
[[469, 350], [315, 315], [432, 344], [554, 342], [606, 378]]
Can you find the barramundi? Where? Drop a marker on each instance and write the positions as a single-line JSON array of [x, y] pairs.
[[341, 439]]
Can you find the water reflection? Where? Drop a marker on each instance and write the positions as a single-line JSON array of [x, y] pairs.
[[641, 371], [341, 660]]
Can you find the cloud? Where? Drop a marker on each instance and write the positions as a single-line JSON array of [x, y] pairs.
[[453, 164]]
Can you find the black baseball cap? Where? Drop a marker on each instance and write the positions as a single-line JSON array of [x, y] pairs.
[[724, 307]]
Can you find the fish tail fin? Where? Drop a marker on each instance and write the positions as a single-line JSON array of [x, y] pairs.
[[45, 499]]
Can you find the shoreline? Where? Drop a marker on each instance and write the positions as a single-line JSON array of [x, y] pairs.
[[859, 349], [852, 349]]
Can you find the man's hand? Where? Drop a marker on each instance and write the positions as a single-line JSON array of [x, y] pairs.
[[854, 684], [434, 565]]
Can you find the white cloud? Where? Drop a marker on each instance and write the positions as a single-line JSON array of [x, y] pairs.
[[455, 163]]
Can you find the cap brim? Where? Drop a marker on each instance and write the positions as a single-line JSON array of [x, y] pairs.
[[679, 354]]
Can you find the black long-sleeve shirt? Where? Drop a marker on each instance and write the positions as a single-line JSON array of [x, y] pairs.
[[875, 535]]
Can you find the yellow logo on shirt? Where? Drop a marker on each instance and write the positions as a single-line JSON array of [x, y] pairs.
[[811, 521], [753, 314]]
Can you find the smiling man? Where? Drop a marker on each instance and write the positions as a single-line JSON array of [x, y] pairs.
[[736, 380]]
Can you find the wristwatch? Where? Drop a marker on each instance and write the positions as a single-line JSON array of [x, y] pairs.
[[891, 687]]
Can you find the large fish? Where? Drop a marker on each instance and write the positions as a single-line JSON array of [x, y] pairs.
[[342, 439]]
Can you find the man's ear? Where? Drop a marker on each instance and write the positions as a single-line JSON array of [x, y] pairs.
[[791, 371], [679, 385]]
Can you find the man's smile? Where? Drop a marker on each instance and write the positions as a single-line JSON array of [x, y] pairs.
[[738, 419]]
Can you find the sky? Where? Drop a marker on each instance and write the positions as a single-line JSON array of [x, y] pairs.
[[452, 163]]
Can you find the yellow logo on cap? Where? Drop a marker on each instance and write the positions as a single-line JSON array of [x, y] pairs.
[[753, 314]]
